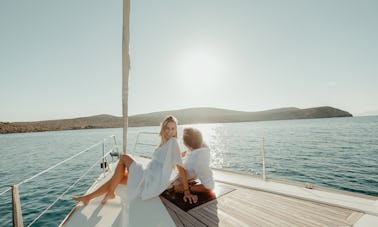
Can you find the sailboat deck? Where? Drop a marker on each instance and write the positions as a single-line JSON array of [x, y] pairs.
[[242, 200], [249, 207]]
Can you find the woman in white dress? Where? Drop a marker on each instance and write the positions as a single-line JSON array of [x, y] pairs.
[[154, 179], [196, 164]]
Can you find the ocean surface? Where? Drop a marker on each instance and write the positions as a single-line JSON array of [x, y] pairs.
[[339, 153]]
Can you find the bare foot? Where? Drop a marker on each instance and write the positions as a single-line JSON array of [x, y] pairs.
[[107, 197], [84, 199]]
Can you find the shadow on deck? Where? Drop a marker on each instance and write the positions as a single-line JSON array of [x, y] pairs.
[[238, 206]]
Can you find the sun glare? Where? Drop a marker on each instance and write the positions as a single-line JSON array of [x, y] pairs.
[[199, 67]]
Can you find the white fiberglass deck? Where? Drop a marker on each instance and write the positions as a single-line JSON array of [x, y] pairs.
[[140, 213], [251, 202]]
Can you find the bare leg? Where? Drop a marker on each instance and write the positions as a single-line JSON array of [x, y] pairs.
[[123, 164], [101, 190], [124, 178]]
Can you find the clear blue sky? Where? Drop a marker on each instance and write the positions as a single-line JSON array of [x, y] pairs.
[[62, 59]]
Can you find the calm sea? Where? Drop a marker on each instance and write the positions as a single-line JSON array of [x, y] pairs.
[[340, 153]]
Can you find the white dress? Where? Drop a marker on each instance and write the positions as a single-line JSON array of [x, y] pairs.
[[155, 178], [197, 165]]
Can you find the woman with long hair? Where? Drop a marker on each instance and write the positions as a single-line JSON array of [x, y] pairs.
[[150, 181]]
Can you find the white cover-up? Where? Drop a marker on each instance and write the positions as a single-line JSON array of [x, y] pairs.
[[155, 178], [197, 165]]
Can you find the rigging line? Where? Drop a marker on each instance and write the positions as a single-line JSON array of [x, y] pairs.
[[156, 133], [70, 187], [147, 144], [59, 163], [9, 188]]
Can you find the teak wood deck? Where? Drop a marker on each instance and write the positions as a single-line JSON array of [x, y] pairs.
[[248, 207]]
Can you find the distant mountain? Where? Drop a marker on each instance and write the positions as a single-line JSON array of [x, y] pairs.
[[185, 116], [214, 115]]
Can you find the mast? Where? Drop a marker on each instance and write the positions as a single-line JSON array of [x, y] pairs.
[[125, 69]]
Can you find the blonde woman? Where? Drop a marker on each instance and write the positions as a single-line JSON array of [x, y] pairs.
[[196, 165], [151, 181]]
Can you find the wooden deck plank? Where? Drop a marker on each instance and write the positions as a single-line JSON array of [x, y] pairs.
[[262, 209], [354, 217], [277, 206], [279, 210], [175, 218], [211, 210], [208, 215], [185, 218], [246, 213], [318, 208], [206, 218], [226, 219], [249, 207], [312, 206]]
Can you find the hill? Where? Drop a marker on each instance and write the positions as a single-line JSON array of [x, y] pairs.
[[185, 116]]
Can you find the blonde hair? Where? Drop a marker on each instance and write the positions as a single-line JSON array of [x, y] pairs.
[[193, 138], [164, 124]]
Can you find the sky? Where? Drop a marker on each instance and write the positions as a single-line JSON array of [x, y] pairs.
[[62, 59]]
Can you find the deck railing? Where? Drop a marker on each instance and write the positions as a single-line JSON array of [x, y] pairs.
[[263, 171], [17, 211], [137, 142]]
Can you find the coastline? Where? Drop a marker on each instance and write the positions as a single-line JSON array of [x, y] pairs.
[[186, 116]]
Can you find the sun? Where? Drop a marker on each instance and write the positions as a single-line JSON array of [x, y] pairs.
[[199, 68]]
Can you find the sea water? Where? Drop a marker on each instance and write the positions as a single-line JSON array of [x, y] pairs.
[[339, 153]]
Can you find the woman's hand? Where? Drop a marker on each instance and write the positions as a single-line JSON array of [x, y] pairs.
[[190, 197], [183, 154]]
